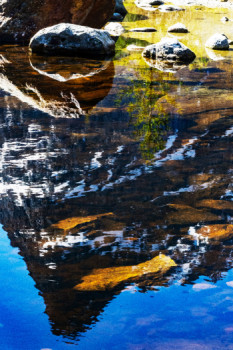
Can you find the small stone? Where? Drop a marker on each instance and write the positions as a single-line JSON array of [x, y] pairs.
[[177, 28], [168, 8], [143, 29], [114, 29], [117, 17], [218, 42], [224, 19]]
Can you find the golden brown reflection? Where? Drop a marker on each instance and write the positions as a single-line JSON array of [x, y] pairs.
[[61, 87], [109, 278], [70, 223], [216, 231]]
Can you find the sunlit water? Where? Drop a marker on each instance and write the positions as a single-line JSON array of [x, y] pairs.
[[104, 167]]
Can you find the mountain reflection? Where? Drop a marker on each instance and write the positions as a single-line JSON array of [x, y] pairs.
[[77, 196]]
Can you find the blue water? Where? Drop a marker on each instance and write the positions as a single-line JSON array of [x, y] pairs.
[[192, 316]]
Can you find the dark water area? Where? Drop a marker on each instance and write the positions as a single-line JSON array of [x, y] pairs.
[[116, 202]]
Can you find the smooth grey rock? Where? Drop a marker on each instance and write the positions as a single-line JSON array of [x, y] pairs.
[[117, 17], [114, 28], [218, 42], [177, 28], [72, 39], [168, 8], [169, 49], [144, 29]]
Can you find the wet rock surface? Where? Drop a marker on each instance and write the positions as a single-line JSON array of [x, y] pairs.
[[71, 39], [20, 20], [169, 49]]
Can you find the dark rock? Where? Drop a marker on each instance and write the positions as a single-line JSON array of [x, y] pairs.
[[169, 49], [21, 19], [143, 29], [120, 8], [117, 17], [169, 8], [72, 39]]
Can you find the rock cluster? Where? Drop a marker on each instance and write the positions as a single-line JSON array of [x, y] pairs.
[[20, 20]]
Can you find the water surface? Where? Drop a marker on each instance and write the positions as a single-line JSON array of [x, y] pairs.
[[106, 165]]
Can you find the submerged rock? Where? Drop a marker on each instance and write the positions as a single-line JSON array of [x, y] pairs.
[[148, 4], [165, 66], [114, 29], [135, 48], [169, 8], [117, 17], [177, 28], [71, 39], [144, 29], [109, 278], [169, 49], [218, 42], [20, 20]]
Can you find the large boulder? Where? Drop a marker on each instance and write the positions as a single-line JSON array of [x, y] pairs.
[[169, 49], [21, 19], [218, 42], [72, 39]]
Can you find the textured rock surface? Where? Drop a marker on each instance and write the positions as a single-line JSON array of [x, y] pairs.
[[72, 39], [218, 42], [114, 29], [169, 49], [178, 28], [21, 19]]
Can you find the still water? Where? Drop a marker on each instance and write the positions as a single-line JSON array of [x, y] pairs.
[[116, 196]]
